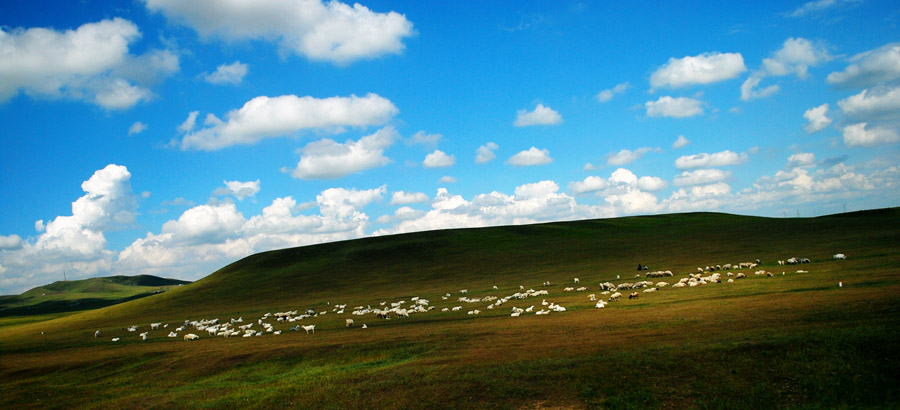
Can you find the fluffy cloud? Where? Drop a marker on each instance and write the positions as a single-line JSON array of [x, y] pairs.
[[530, 157], [446, 179], [817, 119], [706, 160], [91, 63], [75, 242], [189, 122], [870, 68], [540, 116], [268, 117], [206, 237], [228, 74], [327, 159], [406, 198], [438, 159], [608, 94], [680, 107], [680, 142], [332, 31], [238, 189], [137, 128], [795, 56], [588, 185], [879, 103], [749, 89], [701, 177], [625, 156], [802, 159], [10, 242], [859, 135], [701, 69], [485, 153]]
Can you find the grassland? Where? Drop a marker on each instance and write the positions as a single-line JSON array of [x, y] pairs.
[[796, 340], [63, 298]]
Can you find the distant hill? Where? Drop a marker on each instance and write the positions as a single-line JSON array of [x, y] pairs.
[[84, 294], [434, 262]]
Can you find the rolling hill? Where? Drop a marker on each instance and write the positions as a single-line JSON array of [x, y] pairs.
[[84, 294], [792, 339]]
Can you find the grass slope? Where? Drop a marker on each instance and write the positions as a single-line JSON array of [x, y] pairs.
[[86, 294], [788, 341]]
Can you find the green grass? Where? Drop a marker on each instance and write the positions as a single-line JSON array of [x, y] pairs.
[[58, 298], [795, 341]]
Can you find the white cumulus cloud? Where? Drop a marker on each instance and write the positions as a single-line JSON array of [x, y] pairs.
[[228, 74], [327, 159], [530, 157], [681, 107], [859, 135], [625, 156], [239, 189], [701, 69], [706, 160], [485, 153], [588, 185], [91, 63], [334, 31], [817, 119], [873, 104], [870, 68], [406, 198], [269, 117], [541, 115], [701, 177], [795, 56], [438, 159], [680, 142], [801, 159]]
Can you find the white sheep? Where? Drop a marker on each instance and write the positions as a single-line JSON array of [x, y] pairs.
[[307, 328], [191, 336], [592, 297], [143, 336], [840, 256], [349, 322], [96, 334], [154, 326], [600, 304], [173, 334], [576, 281], [464, 291], [115, 339]]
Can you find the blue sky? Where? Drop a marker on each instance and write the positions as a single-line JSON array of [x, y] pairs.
[[172, 138]]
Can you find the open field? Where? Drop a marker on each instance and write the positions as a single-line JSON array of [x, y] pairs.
[[62, 298], [792, 340]]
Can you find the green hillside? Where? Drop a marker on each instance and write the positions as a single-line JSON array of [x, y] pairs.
[[85, 294], [789, 340]]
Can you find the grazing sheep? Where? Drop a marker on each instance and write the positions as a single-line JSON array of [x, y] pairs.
[[840, 256], [308, 328], [615, 297], [576, 281], [600, 304], [364, 326], [96, 334], [173, 334], [349, 322], [191, 336], [840, 284], [568, 289], [115, 339], [592, 297], [740, 275], [634, 295], [143, 336], [155, 326], [464, 291]]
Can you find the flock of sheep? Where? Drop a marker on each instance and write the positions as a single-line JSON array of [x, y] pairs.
[[608, 293]]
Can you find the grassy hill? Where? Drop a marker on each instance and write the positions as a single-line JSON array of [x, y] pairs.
[[85, 294], [790, 340]]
